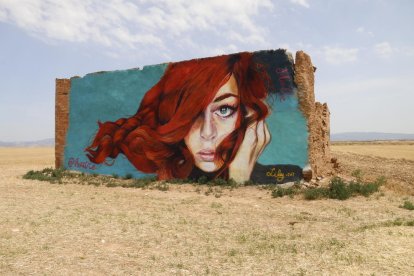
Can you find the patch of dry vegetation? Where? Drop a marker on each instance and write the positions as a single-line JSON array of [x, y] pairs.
[[384, 161], [88, 229]]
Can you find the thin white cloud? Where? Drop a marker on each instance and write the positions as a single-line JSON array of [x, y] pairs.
[[3, 14], [362, 30], [225, 50], [252, 38], [337, 55], [142, 23], [384, 49], [303, 3]]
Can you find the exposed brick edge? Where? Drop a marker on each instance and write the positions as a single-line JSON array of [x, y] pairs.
[[317, 116], [61, 119]]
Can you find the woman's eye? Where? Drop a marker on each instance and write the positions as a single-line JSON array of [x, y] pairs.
[[225, 111]]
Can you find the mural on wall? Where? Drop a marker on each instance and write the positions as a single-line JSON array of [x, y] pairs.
[[234, 116]]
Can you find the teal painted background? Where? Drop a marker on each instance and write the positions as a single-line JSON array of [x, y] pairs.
[[105, 96], [108, 96], [289, 131]]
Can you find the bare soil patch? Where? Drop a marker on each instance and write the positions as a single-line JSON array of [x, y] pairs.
[[83, 229]]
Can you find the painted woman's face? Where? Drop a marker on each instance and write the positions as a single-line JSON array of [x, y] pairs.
[[216, 122]]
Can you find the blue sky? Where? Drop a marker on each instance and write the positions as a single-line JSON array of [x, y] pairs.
[[364, 50]]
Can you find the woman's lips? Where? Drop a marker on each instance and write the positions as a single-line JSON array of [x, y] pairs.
[[206, 155]]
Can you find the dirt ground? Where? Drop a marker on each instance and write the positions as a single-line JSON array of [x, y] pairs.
[[54, 229]]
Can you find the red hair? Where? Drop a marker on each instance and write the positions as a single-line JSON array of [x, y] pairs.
[[153, 139]]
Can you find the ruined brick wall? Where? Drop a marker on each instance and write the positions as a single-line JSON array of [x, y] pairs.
[[61, 119], [317, 116], [298, 125]]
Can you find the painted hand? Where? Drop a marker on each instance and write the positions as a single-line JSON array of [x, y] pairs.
[[256, 138]]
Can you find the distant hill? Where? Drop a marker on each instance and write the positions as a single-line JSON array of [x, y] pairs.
[[39, 143], [370, 136]]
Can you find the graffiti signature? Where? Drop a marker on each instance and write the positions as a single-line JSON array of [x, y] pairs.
[[86, 165], [279, 175]]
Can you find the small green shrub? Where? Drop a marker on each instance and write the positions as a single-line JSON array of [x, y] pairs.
[[138, 184], [368, 189], [396, 222], [142, 182], [202, 180], [222, 182], [317, 193], [62, 176], [338, 189], [218, 182], [410, 223], [381, 180], [232, 183], [111, 184], [162, 186], [48, 174], [281, 192], [389, 223], [249, 183], [365, 189], [96, 184], [407, 205], [179, 181]]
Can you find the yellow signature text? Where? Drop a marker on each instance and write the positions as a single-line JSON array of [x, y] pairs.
[[279, 175]]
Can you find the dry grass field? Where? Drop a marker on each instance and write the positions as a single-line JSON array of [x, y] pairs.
[[394, 160], [53, 229], [393, 149]]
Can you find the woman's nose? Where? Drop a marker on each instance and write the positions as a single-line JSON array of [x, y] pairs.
[[208, 129]]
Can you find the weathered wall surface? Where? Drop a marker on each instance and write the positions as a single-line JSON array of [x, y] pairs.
[[274, 148], [61, 119]]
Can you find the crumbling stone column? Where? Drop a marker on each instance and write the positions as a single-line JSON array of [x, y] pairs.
[[61, 119], [317, 116]]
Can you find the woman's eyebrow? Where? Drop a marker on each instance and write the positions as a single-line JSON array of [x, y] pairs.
[[224, 96]]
